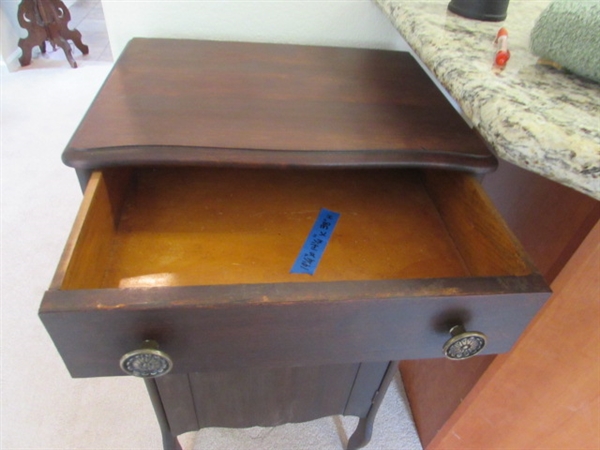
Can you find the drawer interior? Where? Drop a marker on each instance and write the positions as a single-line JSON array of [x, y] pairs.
[[183, 226], [199, 259]]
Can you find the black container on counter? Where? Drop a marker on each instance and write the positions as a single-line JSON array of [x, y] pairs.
[[490, 10]]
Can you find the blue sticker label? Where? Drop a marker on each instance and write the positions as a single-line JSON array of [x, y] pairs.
[[315, 243]]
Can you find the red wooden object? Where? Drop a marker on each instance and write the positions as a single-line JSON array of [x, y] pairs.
[[46, 20]]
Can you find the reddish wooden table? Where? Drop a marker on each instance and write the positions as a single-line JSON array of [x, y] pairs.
[[47, 20]]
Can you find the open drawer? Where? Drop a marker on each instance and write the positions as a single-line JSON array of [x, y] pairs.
[[198, 259]]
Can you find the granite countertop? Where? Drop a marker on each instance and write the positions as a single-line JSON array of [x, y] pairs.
[[537, 117]]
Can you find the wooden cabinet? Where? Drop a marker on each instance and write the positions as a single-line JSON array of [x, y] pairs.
[[205, 166]]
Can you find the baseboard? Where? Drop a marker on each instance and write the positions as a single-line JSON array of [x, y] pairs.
[[12, 62]]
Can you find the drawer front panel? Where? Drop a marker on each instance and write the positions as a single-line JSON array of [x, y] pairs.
[[277, 325]]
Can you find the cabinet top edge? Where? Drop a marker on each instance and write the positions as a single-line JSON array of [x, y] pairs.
[[206, 101]]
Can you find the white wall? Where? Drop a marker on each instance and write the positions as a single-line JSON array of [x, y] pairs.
[[351, 23], [10, 32]]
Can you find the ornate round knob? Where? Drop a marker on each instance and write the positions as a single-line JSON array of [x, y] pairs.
[[147, 362], [464, 344]]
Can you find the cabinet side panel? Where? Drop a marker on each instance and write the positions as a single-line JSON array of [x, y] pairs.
[[550, 220], [435, 387], [545, 393]]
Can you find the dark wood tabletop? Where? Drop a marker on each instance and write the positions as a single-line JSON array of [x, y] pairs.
[[225, 103]]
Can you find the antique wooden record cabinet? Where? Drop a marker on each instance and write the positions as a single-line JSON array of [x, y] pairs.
[[205, 166]]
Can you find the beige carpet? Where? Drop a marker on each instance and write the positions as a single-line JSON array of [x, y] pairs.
[[42, 407]]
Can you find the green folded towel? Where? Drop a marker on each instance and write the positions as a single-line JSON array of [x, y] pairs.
[[568, 33]]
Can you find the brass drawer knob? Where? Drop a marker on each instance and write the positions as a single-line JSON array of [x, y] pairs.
[[464, 344], [147, 362]]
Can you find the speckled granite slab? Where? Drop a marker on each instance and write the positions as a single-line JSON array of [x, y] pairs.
[[534, 116]]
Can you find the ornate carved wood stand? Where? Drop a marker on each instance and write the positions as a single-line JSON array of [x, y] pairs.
[[46, 20]]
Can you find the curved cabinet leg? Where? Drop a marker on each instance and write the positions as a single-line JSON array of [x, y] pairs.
[[362, 434], [170, 441], [364, 429]]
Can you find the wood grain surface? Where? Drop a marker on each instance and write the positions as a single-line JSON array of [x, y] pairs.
[[550, 382], [153, 254], [197, 102], [549, 219]]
